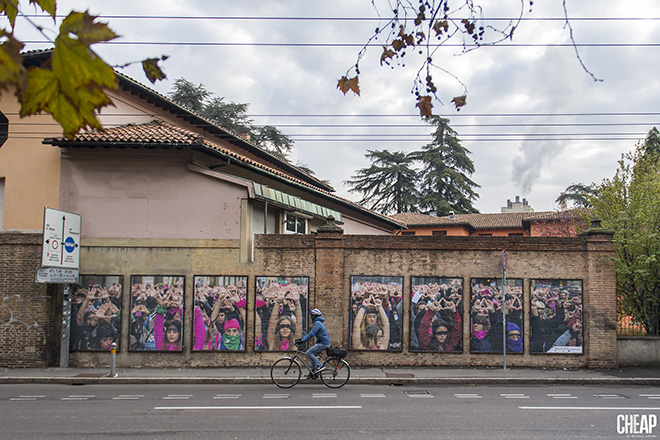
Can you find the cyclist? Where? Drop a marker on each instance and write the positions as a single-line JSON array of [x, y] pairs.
[[322, 339]]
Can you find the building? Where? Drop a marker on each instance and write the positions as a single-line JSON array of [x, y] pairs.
[[511, 224]]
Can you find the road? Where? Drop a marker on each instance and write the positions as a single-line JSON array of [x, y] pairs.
[[187, 412]]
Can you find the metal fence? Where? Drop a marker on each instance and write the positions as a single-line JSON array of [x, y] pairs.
[[626, 325]]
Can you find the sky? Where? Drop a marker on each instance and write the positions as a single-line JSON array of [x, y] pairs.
[[535, 121]]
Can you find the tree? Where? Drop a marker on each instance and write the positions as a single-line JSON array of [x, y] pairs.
[[229, 115], [652, 143], [389, 184], [577, 194], [629, 204], [71, 86], [422, 27], [392, 183], [445, 182]]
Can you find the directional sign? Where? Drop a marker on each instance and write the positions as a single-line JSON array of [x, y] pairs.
[[61, 242]]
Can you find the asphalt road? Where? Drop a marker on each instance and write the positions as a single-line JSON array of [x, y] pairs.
[[187, 412]]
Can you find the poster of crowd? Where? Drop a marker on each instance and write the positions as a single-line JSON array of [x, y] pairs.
[[156, 313], [95, 313], [487, 312], [436, 307], [376, 312], [280, 312], [219, 313], [556, 316]]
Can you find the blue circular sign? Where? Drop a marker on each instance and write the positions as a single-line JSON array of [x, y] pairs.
[[69, 244]]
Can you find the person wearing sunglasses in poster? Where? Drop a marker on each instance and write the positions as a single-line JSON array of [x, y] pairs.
[[435, 333]]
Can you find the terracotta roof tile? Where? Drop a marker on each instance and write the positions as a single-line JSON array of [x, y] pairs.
[[483, 221]]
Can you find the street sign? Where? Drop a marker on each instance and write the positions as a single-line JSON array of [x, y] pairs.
[[57, 275], [61, 240]]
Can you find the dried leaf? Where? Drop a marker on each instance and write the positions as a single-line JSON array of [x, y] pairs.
[[425, 106], [398, 44], [459, 101], [152, 70], [345, 84], [441, 26], [11, 61], [387, 54], [85, 27]]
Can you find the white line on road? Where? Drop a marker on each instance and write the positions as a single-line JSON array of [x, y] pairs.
[[227, 396], [372, 395], [589, 408], [245, 408], [514, 396], [467, 396], [324, 395], [276, 396]]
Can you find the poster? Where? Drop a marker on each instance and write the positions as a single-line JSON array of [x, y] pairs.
[[556, 316], [96, 312], [436, 308], [219, 314], [376, 313], [156, 313], [281, 312]]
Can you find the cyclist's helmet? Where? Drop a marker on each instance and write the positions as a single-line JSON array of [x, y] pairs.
[[315, 313]]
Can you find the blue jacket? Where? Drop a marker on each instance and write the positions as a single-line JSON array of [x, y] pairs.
[[319, 331]]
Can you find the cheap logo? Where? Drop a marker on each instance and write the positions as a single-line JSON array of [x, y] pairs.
[[636, 423]]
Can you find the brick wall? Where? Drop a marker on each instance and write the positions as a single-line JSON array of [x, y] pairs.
[[329, 258], [27, 321]]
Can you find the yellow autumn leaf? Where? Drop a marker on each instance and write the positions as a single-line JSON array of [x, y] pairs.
[[46, 5], [10, 9], [42, 87], [11, 60], [152, 70], [345, 84]]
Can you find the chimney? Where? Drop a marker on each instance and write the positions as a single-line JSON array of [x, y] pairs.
[[451, 215]]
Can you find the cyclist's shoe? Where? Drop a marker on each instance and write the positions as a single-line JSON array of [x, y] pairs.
[[318, 370]]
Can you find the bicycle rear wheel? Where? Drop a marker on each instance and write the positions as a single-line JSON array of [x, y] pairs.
[[335, 373], [285, 372]]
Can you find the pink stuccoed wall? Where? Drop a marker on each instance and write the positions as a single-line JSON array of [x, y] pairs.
[[139, 194]]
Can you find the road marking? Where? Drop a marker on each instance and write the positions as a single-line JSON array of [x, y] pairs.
[[26, 398], [372, 395], [276, 396], [562, 396], [589, 408], [324, 395], [178, 397], [467, 396], [246, 408], [514, 396], [79, 397], [227, 396], [128, 397], [650, 396], [610, 396]]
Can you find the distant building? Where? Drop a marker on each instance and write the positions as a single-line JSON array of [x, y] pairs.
[[517, 206], [511, 224]]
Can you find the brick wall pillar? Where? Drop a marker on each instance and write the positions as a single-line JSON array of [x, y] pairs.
[[600, 299], [329, 270]]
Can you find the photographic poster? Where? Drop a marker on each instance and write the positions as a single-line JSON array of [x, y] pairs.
[[556, 316], [487, 313], [281, 312], [436, 309], [95, 313], [220, 312], [156, 313], [376, 312]]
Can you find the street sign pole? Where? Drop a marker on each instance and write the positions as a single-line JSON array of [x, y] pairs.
[[504, 263], [60, 263]]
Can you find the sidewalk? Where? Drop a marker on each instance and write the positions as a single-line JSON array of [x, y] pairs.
[[648, 376]]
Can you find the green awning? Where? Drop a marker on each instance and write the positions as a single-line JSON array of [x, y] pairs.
[[294, 203]]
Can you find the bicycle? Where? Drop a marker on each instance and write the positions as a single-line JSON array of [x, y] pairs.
[[286, 372]]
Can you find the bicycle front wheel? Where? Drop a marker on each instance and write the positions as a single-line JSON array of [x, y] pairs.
[[285, 373], [335, 373]]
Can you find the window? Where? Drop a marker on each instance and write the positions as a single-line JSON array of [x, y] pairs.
[[294, 224], [439, 232], [515, 234]]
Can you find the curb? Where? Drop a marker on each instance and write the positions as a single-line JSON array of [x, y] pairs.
[[628, 381]]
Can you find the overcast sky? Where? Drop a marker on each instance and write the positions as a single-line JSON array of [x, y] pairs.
[[535, 121]]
